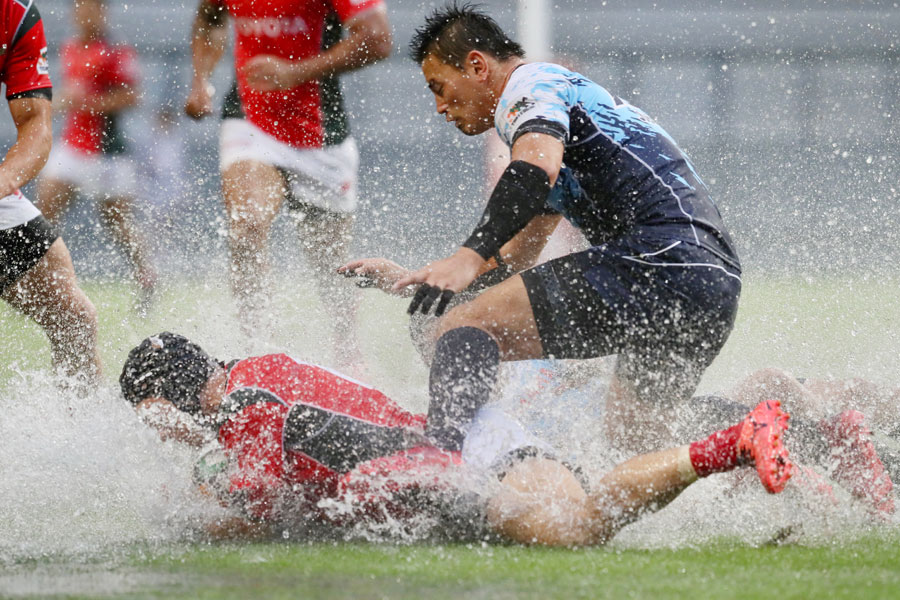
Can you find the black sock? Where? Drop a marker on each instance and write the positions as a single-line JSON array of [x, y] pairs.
[[463, 373]]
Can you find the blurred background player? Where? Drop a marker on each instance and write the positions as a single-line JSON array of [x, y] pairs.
[[293, 433], [284, 137], [36, 272], [100, 82]]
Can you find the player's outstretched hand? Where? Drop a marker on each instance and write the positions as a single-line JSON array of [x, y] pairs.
[[440, 280], [199, 101], [379, 273]]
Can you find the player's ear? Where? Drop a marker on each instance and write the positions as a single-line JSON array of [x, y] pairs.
[[476, 64]]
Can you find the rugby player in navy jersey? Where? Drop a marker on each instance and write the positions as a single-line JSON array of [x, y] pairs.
[[293, 434], [659, 285], [36, 272]]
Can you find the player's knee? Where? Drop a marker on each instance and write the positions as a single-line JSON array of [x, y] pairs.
[[463, 315], [247, 230]]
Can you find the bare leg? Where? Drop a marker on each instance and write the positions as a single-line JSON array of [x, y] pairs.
[[326, 240], [53, 198], [253, 195], [541, 502], [642, 484], [49, 294], [118, 216]]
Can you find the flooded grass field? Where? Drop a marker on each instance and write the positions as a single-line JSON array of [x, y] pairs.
[[93, 505], [859, 568]]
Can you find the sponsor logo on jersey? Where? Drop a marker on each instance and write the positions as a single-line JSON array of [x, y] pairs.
[[272, 27], [43, 65], [518, 108]]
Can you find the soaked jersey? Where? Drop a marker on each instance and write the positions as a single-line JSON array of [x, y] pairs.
[[299, 427], [623, 175], [23, 54], [96, 67], [290, 30]]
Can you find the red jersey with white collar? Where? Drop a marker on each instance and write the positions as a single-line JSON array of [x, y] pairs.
[[96, 67], [23, 54], [300, 426], [292, 30]]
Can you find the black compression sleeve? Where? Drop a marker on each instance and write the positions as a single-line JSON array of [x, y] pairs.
[[518, 197]]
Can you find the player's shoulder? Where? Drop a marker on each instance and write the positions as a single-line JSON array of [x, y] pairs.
[[542, 77], [17, 17], [538, 71]]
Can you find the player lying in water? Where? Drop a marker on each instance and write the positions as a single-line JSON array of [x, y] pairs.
[[831, 432], [295, 434]]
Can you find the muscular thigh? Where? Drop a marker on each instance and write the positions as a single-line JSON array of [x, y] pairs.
[[253, 192], [505, 312]]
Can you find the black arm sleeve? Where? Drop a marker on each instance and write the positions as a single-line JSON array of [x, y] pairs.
[[518, 197]]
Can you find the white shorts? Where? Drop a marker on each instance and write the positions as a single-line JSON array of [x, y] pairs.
[[323, 177], [94, 175], [16, 210], [493, 435]]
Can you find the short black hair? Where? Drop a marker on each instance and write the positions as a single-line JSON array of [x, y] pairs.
[[453, 31]]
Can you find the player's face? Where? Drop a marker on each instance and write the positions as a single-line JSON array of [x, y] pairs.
[[461, 95], [89, 17]]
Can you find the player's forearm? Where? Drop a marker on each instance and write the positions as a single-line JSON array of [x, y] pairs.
[[369, 41], [113, 101], [29, 153], [208, 40]]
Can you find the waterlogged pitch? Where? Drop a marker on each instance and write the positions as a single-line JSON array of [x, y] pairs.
[[93, 505], [859, 568]]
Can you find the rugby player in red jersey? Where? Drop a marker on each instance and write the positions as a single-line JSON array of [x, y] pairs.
[[294, 434], [36, 272], [284, 138], [100, 82]]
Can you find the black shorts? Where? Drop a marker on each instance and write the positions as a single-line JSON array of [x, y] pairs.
[[666, 321], [22, 247]]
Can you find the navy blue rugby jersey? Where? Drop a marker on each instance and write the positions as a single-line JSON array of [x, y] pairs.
[[622, 175]]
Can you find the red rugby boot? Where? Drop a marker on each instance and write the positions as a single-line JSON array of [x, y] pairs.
[[858, 466], [761, 443]]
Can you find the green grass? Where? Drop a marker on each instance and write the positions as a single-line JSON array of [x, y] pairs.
[[866, 568], [826, 326]]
